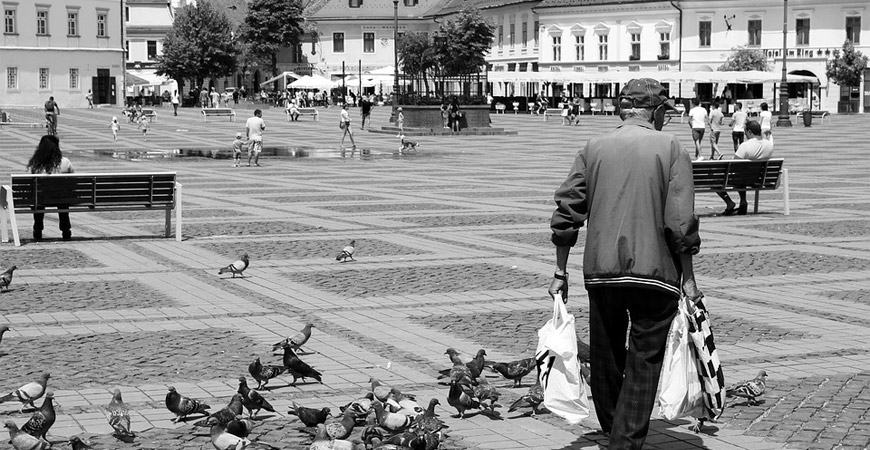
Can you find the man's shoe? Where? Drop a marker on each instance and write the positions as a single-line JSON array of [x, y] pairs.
[[37, 236], [729, 211], [742, 210], [67, 235]]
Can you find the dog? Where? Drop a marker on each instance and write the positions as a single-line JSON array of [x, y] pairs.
[[407, 146]]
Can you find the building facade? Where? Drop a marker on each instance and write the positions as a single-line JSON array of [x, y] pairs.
[[146, 22], [63, 49]]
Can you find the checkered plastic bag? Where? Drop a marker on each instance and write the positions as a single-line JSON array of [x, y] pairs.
[[706, 358]]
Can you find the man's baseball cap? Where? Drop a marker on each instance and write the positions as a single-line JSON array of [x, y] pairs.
[[238, 135], [644, 93]]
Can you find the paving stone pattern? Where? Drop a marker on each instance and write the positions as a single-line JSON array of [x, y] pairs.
[[438, 233]]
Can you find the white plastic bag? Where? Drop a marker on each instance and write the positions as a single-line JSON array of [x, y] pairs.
[[565, 391], [679, 393]]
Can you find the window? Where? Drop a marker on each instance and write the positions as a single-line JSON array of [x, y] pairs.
[[102, 20], [664, 45], [9, 21], [410, 3], [525, 34], [43, 78], [337, 42], [72, 23], [602, 47], [297, 53], [579, 47], [74, 79], [557, 48], [537, 27], [802, 30], [368, 42], [754, 27], [512, 34], [126, 14], [635, 47], [354, 3], [500, 36], [152, 50], [853, 29], [11, 78], [42, 22], [705, 30]]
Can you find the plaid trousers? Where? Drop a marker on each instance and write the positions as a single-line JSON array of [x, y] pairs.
[[624, 381]]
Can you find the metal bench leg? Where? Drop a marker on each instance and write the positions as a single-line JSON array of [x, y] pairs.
[[178, 234], [8, 208], [785, 200], [756, 202]]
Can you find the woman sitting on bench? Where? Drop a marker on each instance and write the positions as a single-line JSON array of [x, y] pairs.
[[48, 159]]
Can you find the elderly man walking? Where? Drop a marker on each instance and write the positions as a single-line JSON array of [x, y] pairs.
[[632, 188]]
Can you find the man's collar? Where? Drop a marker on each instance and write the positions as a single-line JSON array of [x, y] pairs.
[[637, 122]]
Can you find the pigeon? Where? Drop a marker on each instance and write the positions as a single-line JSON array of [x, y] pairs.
[[222, 440], [360, 407], [428, 422], [6, 277], [28, 393], [342, 427], [237, 267], [322, 441], [297, 340], [485, 391], [310, 416], [78, 444], [346, 252], [514, 370], [382, 391], [390, 421], [251, 399], [426, 441], [42, 419], [477, 363], [3, 330], [118, 416], [240, 426], [263, 373], [23, 441], [750, 389], [183, 406], [533, 398], [460, 372], [226, 414], [298, 368], [405, 404], [462, 398]]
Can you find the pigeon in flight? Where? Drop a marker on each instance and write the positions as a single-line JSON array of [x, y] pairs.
[[118, 415], [237, 267], [750, 389], [346, 252], [297, 340], [6, 277], [23, 441], [28, 393], [42, 419], [183, 406]]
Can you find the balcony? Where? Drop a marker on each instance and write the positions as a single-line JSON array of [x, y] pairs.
[[663, 57]]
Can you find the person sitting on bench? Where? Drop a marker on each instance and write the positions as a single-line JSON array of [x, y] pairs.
[[755, 147], [48, 159]]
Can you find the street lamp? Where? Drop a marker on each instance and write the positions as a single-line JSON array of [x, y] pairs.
[[395, 59], [784, 120]]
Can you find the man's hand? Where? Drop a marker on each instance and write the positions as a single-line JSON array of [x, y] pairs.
[[559, 285], [690, 289]]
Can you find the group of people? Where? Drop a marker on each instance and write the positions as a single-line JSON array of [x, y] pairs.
[[211, 98], [254, 128]]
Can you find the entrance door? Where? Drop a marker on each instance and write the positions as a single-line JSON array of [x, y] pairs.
[[867, 90], [103, 87]]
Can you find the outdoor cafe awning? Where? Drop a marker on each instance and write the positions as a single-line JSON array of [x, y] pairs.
[[753, 76], [283, 77]]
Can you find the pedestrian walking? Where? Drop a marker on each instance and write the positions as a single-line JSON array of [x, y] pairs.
[[175, 102], [365, 106], [90, 99], [116, 127], [254, 128], [738, 125], [344, 124], [238, 145], [638, 254], [400, 122], [48, 159], [717, 120], [144, 125], [698, 124]]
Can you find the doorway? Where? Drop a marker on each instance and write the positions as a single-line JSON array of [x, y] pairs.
[[103, 87]]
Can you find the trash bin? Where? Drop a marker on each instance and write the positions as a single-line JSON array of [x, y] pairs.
[[808, 118]]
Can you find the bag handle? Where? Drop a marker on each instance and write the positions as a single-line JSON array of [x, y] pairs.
[[560, 312]]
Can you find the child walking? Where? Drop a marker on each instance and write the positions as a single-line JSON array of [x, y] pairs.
[[116, 127], [400, 122], [238, 143], [143, 125]]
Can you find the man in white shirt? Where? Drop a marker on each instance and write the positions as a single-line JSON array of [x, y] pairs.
[[716, 122], [755, 147], [738, 122], [254, 128], [698, 124]]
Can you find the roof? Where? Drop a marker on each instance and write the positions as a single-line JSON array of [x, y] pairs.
[[148, 2], [448, 7], [559, 3]]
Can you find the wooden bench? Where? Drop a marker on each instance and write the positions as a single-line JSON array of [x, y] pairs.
[[206, 112], [552, 112], [742, 174], [500, 107], [821, 115], [304, 112], [150, 114], [90, 192]]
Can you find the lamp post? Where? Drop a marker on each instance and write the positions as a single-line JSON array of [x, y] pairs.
[[395, 59], [784, 120]]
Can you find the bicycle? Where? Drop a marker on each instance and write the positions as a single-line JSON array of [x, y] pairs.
[[51, 124]]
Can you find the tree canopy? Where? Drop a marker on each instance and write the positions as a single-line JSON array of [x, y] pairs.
[[417, 55], [743, 59], [200, 45], [846, 68], [467, 40], [272, 25]]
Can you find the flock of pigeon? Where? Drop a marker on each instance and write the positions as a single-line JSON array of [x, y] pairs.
[[385, 417]]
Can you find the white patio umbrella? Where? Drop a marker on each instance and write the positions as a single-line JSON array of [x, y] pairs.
[[312, 82]]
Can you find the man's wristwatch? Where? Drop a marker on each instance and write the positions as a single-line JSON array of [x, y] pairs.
[[563, 276]]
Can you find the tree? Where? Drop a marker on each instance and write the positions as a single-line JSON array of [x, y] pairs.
[[417, 56], [467, 40], [272, 25], [199, 45], [845, 69], [743, 59]]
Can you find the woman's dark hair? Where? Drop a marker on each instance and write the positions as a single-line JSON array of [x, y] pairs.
[[764, 106], [46, 158]]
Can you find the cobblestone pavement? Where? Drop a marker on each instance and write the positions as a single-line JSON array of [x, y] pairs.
[[452, 251]]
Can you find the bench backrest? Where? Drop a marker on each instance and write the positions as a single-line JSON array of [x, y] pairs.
[[753, 174], [155, 189]]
